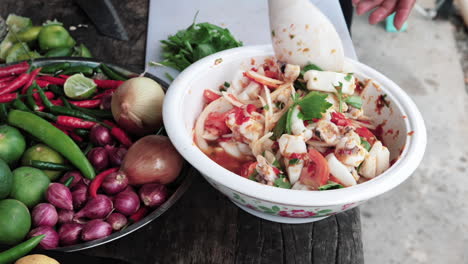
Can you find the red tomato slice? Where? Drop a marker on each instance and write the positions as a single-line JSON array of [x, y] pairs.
[[316, 172], [339, 119], [215, 123], [210, 96], [366, 133], [248, 169], [271, 74]]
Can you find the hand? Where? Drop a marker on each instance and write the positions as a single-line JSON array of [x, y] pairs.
[[384, 8]]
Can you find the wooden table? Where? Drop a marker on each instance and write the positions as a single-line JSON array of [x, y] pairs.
[[204, 226]]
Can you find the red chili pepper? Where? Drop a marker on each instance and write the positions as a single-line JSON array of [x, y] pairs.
[[49, 95], [32, 76], [75, 137], [6, 98], [339, 119], [87, 103], [64, 76], [109, 123], [40, 108], [42, 83], [62, 128], [366, 133], [105, 93], [97, 181], [121, 136], [14, 69], [108, 84], [74, 122], [15, 84], [7, 79], [57, 102], [142, 212], [52, 80]]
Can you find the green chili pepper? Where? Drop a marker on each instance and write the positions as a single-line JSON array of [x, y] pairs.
[[88, 148], [81, 132], [65, 102], [113, 75], [105, 114], [3, 112], [53, 137], [45, 115], [56, 67], [61, 110], [44, 165], [20, 250], [55, 89], [47, 103], [69, 181], [18, 104], [78, 69], [30, 99], [59, 52]]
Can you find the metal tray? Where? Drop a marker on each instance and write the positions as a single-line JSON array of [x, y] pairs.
[[179, 186]]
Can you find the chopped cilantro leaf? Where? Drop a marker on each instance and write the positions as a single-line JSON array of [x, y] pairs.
[[289, 120], [330, 186], [294, 161], [340, 96], [310, 67], [354, 101], [168, 76], [348, 76], [282, 183], [266, 107], [222, 89], [227, 85], [300, 85], [365, 144], [313, 105], [280, 126]]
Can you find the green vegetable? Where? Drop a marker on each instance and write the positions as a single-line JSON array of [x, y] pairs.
[[53, 137], [348, 76], [44, 165], [15, 221], [58, 52], [88, 71], [310, 67], [81, 132], [81, 51], [282, 182], [54, 35], [330, 186], [56, 90], [29, 185], [28, 56], [288, 120], [197, 41], [340, 96], [3, 112], [111, 74], [365, 144], [12, 144], [17, 23], [29, 35], [30, 99], [18, 104], [313, 105], [69, 181], [294, 161], [20, 250], [54, 68], [17, 50], [354, 101], [6, 180]]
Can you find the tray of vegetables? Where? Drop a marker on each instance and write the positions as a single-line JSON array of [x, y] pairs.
[[83, 155]]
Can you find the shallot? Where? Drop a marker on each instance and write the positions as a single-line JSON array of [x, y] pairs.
[[79, 195], [117, 221], [126, 203], [51, 238], [77, 177], [65, 216], [95, 229], [100, 136], [98, 207], [116, 155], [44, 214], [114, 183], [99, 158], [70, 233], [153, 195], [59, 196]]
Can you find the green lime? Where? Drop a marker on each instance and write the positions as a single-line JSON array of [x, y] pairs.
[[18, 23], [27, 56], [6, 179], [15, 221], [16, 51], [54, 36], [42, 152], [29, 35], [29, 185], [79, 87], [12, 144]]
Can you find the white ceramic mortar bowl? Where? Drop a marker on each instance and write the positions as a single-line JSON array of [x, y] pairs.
[[404, 134]]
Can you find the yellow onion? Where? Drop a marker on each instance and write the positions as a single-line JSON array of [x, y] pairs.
[[137, 105]]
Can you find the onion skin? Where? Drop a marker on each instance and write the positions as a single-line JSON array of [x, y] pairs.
[[117, 221], [70, 234], [65, 216], [153, 195], [152, 159], [79, 195], [114, 183], [59, 196], [137, 105], [100, 136], [51, 239], [99, 158], [77, 177], [96, 208], [127, 203], [95, 229], [116, 155], [44, 214]]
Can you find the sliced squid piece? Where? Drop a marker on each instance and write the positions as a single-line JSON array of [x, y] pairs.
[[291, 72], [265, 170], [289, 144], [294, 170], [340, 171], [297, 125], [383, 160], [270, 157], [299, 186], [327, 81], [349, 150], [231, 148], [327, 132], [250, 92], [239, 82], [368, 168]]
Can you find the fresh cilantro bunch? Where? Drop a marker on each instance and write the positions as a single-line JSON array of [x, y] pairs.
[[197, 41]]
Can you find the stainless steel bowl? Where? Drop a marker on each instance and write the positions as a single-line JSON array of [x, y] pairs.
[[178, 187]]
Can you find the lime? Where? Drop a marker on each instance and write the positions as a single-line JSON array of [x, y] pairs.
[[42, 152], [27, 56], [79, 87], [16, 51], [15, 221], [6, 180], [29, 185], [12, 144], [17, 23], [29, 35], [54, 36]]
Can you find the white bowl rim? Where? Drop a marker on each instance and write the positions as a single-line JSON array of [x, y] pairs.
[[409, 159]]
